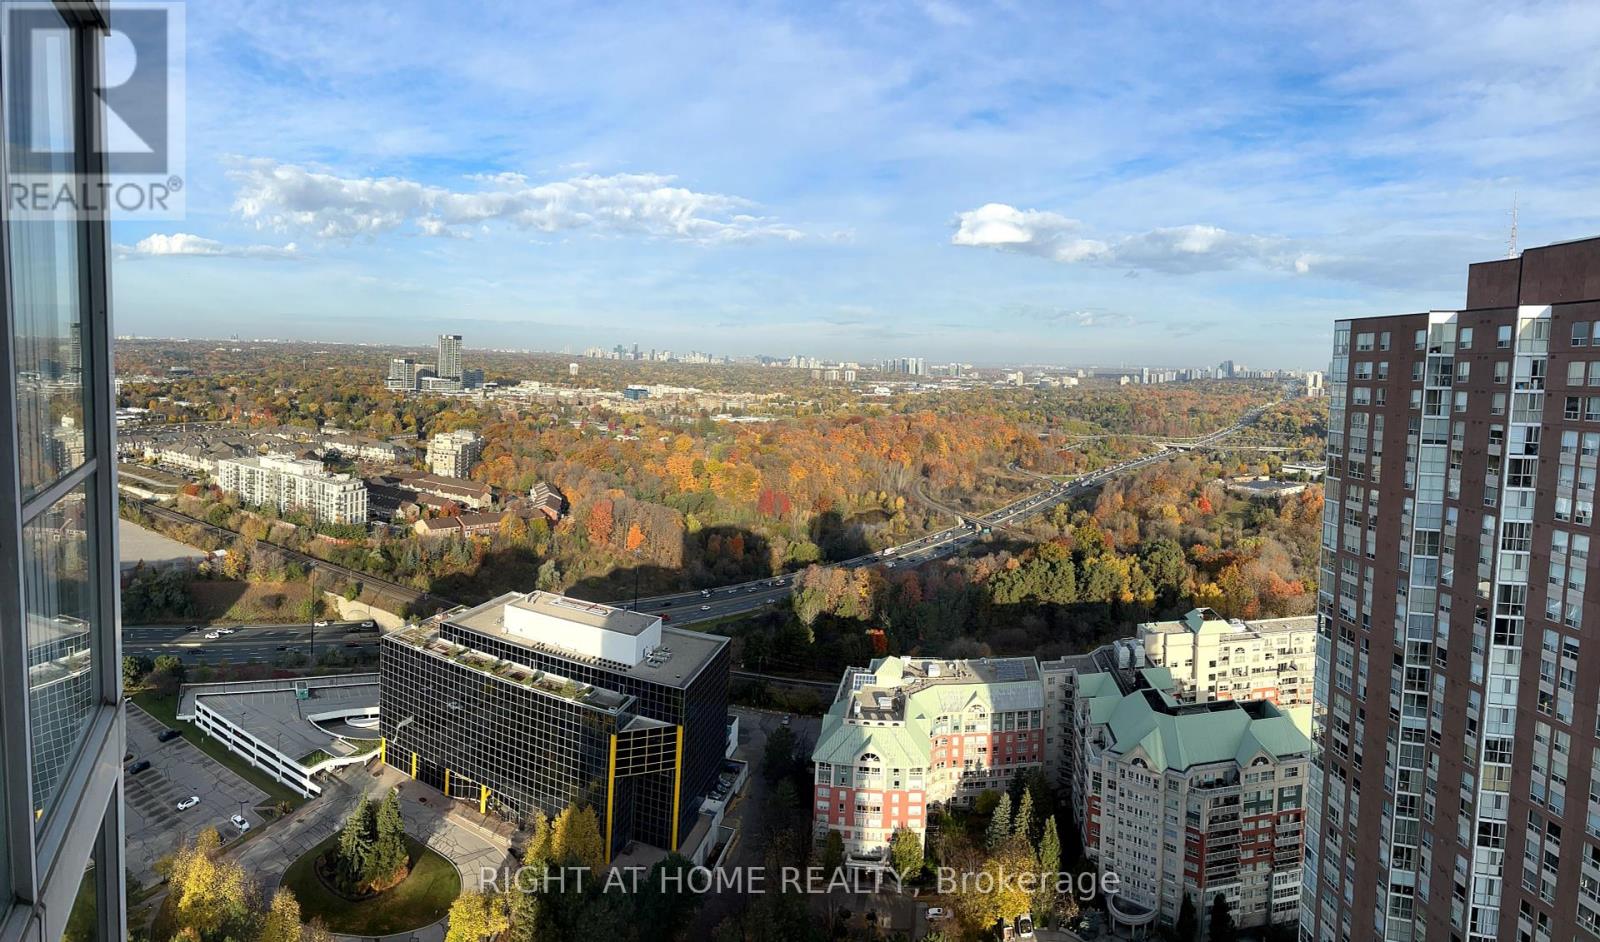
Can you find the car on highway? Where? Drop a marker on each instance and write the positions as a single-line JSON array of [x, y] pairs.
[[226, 631], [705, 608], [239, 822], [319, 624], [705, 593], [212, 635], [188, 803], [192, 628], [168, 735]]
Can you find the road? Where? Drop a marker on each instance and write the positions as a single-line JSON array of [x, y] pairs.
[[686, 608], [259, 644], [704, 605]]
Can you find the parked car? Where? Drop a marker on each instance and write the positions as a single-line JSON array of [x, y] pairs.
[[1024, 926], [138, 767], [188, 803], [239, 822], [168, 735], [937, 912]]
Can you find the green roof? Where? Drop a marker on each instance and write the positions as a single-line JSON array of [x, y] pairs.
[[1177, 736]]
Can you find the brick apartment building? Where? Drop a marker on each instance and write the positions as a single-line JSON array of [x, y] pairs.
[[1457, 791], [907, 735]]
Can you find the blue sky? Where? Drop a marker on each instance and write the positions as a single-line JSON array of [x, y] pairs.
[[988, 181]]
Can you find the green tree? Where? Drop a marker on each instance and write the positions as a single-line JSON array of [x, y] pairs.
[[832, 854], [778, 761], [1049, 865], [134, 668], [905, 852], [999, 824], [1188, 925], [1221, 928], [355, 844], [390, 857], [665, 903]]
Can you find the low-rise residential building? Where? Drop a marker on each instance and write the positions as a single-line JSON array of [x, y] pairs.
[[1182, 799], [473, 495], [908, 735], [471, 524], [548, 500], [452, 454], [1215, 658], [287, 483]]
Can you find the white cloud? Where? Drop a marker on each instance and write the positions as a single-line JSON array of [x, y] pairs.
[[288, 197], [185, 243], [1174, 249]]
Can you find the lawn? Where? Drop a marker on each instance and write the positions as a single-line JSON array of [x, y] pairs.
[[423, 898], [165, 709]]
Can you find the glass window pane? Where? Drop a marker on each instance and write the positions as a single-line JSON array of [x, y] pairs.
[[58, 598], [45, 266]]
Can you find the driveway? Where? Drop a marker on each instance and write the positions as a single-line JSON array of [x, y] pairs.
[[155, 826], [469, 847]]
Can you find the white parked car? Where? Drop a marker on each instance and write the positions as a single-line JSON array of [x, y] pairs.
[[937, 912], [240, 823], [188, 803]]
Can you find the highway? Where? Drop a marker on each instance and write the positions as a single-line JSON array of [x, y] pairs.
[[261, 644], [686, 608], [267, 643]]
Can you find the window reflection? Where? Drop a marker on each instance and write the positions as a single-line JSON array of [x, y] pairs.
[[46, 304], [58, 598]]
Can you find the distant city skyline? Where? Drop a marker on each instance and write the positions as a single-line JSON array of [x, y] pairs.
[[979, 182]]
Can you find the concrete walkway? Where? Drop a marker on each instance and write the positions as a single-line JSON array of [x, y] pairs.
[[466, 843]]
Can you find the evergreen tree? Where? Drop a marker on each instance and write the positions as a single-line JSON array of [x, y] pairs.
[[1222, 928], [999, 824], [832, 854], [389, 854], [1049, 865], [355, 846], [1188, 920], [539, 849], [1022, 821]]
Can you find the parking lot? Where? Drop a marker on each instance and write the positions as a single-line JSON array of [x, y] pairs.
[[155, 826]]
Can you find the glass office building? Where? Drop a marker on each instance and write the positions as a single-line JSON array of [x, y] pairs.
[[61, 722], [533, 701]]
